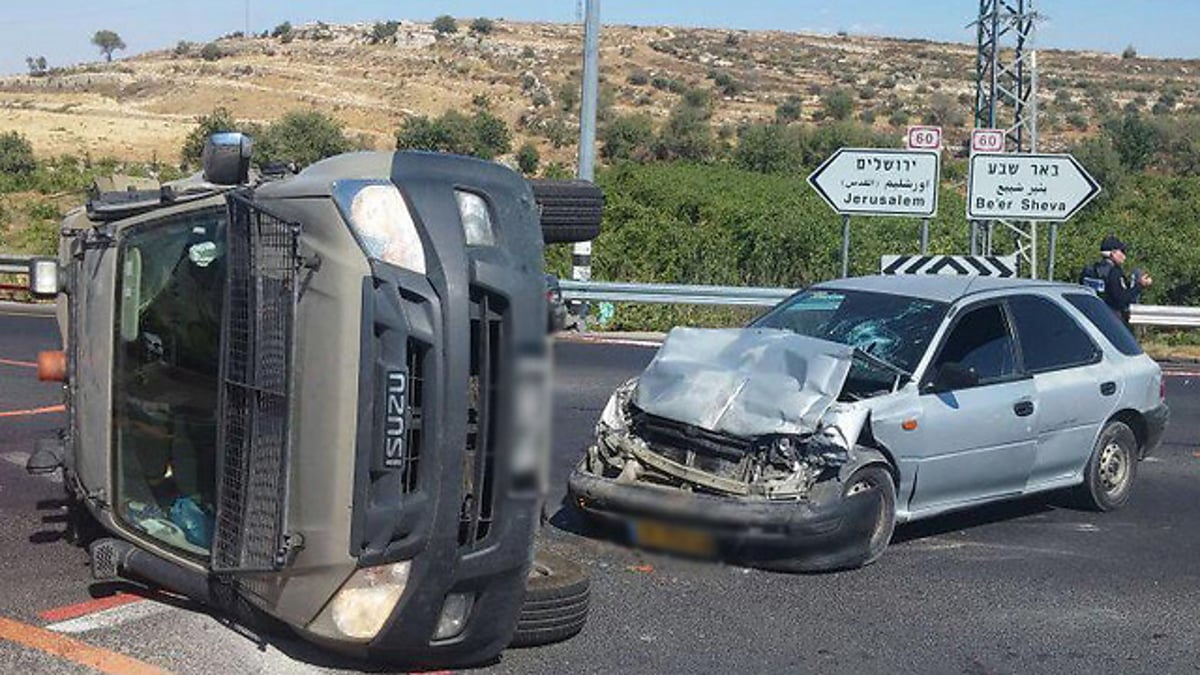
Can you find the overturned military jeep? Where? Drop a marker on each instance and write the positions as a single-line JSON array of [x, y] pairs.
[[320, 398]]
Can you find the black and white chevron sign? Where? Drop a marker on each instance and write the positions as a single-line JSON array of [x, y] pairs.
[[1001, 267]]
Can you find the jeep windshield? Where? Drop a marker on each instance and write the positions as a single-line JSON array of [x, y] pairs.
[[168, 333], [892, 331]]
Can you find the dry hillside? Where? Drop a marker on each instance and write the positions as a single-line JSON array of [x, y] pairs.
[[140, 108]]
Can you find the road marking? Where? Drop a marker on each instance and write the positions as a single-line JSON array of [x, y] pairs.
[[21, 458], [75, 651], [89, 607], [111, 617], [1181, 373], [19, 364], [34, 411]]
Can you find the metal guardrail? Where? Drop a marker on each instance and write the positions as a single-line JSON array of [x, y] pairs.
[[744, 296], [672, 294]]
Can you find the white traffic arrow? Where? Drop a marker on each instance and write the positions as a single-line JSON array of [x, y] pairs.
[[1027, 187], [869, 182]]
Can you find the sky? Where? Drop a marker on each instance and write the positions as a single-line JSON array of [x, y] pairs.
[[61, 30]]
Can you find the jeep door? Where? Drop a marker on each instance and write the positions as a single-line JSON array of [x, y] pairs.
[[975, 438]]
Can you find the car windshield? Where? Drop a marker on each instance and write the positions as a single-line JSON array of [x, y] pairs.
[[894, 329]]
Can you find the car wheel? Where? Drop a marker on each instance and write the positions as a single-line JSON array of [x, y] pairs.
[[874, 482], [556, 602], [1108, 478]]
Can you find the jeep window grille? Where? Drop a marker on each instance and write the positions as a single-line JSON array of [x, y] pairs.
[[257, 343], [476, 513], [414, 429]]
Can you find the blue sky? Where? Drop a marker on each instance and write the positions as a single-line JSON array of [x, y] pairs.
[[60, 30]]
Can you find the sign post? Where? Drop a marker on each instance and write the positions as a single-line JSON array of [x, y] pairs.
[[870, 182]]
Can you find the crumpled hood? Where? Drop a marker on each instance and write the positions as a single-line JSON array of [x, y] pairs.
[[744, 382]]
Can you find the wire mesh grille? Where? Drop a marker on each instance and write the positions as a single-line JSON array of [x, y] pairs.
[[260, 304]]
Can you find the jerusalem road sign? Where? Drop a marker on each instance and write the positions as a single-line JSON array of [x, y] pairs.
[[870, 182], [1027, 187]]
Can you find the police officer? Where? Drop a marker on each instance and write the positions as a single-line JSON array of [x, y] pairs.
[[1108, 278]]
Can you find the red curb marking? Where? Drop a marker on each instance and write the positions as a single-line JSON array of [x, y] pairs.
[[89, 607], [75, 651], [19, 364]]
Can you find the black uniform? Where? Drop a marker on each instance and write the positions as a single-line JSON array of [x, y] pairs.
[[1117, 290]]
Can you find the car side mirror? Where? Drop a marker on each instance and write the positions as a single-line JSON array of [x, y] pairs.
[[952, 376]]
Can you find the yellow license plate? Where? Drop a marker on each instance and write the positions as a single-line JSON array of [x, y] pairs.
[[688, 541]]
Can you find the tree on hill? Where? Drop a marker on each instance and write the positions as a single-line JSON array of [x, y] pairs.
[[483, 135], [445, 25], [528, 159], [107, 42], [218, 121], [384, 31], [482, 26], [838, 105], [1129, 53], [37, 67]]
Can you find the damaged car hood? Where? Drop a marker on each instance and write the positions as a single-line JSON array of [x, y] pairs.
[[744, 382]]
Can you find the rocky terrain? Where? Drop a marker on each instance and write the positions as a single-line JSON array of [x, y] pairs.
[[140, 108]]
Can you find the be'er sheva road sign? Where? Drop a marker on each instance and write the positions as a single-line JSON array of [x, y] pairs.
[[864, 182], [1027, 187]]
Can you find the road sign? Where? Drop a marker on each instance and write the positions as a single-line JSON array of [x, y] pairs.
[[987, 140], [868, 182], [923, 138], [1027, 187], [1002, 267]]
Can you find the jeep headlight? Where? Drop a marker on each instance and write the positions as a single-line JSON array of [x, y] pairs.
[[382, 222], [363, 604], [476, 219]]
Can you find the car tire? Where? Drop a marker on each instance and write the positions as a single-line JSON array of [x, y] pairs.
[[571, 210], [867, 481], [1111, 470], [556, 602]]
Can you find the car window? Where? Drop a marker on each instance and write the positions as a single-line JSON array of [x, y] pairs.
[[980, 341], [1050, 338], [1106, 320]]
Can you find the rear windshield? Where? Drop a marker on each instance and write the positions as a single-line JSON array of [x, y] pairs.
[[1103, 318]]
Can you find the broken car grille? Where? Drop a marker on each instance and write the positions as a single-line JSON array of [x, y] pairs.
[[716, 454]]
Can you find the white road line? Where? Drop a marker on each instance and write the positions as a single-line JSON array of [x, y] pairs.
[[111, 617], [1181, 373], [20, 458]]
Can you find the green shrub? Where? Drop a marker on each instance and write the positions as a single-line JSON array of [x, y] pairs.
[[788, 110], [444, 25], [303, 137], [482, 135], [482, 26], [16, 155], [211, 52], [627, 137], [837, 105], [528, 159]]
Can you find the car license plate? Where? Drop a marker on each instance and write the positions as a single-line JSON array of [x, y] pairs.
[[688, 541]]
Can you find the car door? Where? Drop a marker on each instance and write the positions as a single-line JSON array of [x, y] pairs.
[[1075, 390], [974, 440]]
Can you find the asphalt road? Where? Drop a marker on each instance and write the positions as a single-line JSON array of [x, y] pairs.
[[1028, 586]]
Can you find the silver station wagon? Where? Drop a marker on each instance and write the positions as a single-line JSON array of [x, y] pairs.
[[799, 442]]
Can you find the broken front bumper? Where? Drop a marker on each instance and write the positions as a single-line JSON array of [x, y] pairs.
[[822, 532]]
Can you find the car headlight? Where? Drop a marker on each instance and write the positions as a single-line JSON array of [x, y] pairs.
[[615, 416], [476, 219], [363, 604], [380, 218]]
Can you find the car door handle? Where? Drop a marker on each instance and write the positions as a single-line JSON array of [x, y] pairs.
[[1108, 388], [1023, 408]]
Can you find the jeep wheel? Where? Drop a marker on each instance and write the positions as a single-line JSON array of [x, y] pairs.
[[556, 602], [1108, 478], [571, 210]]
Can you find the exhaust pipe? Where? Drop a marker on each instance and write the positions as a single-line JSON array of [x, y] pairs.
[[115, 559]]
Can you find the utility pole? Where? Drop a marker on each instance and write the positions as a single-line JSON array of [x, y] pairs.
[[247, 33], [1006, 98], [582, 251]]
